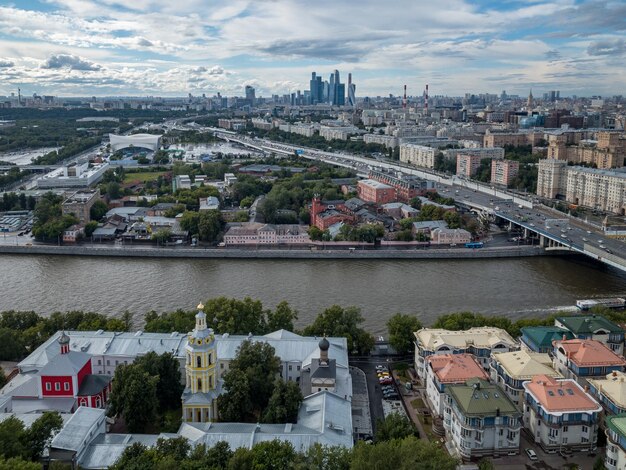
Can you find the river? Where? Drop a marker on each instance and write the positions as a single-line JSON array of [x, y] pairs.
[[512, 287]]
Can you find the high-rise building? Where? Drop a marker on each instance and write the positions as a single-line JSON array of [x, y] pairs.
[[316, 87], [351, 92], [250, 95]]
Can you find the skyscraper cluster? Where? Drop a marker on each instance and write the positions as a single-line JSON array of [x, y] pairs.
[[331, 91]]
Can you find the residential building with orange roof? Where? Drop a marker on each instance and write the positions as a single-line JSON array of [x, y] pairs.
[[511, 369], [582, 358], [446, 369], [610, 392], [560, 414]]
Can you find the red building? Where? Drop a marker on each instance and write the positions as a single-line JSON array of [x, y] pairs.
[[407, 187], [376, 192], [326, 213], [69, 375]]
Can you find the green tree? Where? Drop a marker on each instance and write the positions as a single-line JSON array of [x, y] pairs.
[[113, 190], [236, 317], [273, 455], [246, 202], [16, 463], [210, 225], [98, 210], [208, 458], [416, 203], [189, 222], [134, 396], [253, 368], [90, 228], [409, 453], [319, 457], [453, 219], [339, 321], [135, 457], [40, 433], [167, 369], [161, 236], [284, 403], [401, 328], [282, 317], [235, 404], [12, 442], [11, 345], [177, 449], [168, 322], [394, 426]]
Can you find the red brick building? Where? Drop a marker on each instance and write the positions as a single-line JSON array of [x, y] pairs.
[[376, 192], [326, 213]]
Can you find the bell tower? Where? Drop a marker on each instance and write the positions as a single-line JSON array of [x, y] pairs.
[[199, 403]]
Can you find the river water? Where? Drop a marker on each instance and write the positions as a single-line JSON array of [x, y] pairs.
[[512, 287]]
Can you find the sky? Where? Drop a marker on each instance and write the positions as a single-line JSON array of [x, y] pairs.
[[176, 47]]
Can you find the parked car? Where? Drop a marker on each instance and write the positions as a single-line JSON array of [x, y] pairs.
[[532, 455]]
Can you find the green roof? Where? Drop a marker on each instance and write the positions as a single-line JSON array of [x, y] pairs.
[[588, 324], [478, 397], [617, 423], [543, 336]]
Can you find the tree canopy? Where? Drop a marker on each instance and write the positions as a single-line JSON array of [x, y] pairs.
[[340, 321], [134, 397], [394, 426], [401, 328]]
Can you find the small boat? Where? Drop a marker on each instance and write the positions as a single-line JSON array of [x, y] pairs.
[[613, 302]]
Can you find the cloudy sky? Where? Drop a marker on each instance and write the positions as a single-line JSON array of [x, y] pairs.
[[175, 47]]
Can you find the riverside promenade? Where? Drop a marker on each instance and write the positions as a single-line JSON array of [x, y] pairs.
[[269, 253]]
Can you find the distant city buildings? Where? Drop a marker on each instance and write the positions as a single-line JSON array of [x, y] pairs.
[[503, 172]]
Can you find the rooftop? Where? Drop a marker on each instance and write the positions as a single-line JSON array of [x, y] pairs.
[[560, 396], [617, 423], [589, 352], [478, 397], [79, 429], [542, 336], [523, 365], [480, 337], [375, 184], [456, 368], [589, 324], [613, 387]]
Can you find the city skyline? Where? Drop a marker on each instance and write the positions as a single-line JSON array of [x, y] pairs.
[[87, 47]]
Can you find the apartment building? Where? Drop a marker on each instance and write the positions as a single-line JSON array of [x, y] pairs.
[[467, 164], [418, 155], [608, 150], [375, 191], [388, 141], [615, 458], [480, 420], [484, 152], [584, 358], [449, 369], [560, 414], [539, 338], [337, 132], [503, 172], [502, 139], [590, 187], [594, 327], [610, 391], [510, 370], [79, 204], [479, 341]]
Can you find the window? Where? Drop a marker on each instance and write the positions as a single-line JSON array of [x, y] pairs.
[[564, 428], [210, 381], [66, 386], [210, 359], [290, 366], [199, 384], [108, 362], [57, 386], [199, 361], [48, 386], [585, 429], [298, 368], [99, 362], [222, 366], [117, 362]]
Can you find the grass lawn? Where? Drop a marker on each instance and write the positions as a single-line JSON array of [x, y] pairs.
[[418, 404], [428, 428], [142, 176]]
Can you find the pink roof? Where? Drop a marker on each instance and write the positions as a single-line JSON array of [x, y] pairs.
[[456, 368], [560, 395], [589, 352]]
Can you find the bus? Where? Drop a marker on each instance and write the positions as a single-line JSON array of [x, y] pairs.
[[474, 245]]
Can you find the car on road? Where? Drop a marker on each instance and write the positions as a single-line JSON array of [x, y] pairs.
[[585, 240], [532, 455]]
